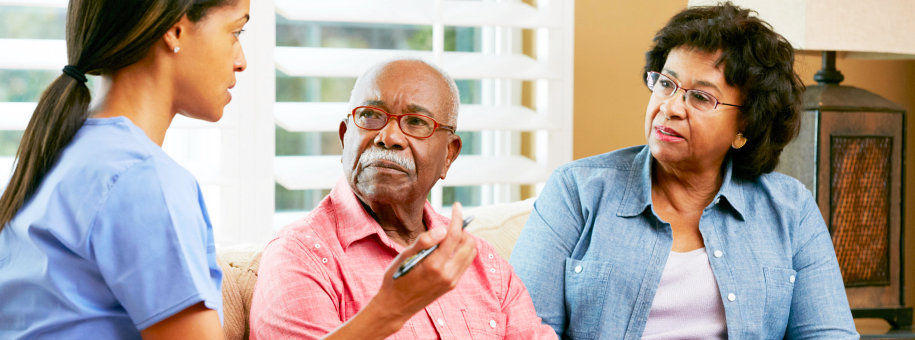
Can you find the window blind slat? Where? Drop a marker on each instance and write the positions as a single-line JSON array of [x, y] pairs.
[[415, 12], [507, 14], [507, 118], [307, 172], [309, 117], [326, 116], [6, 170], [322, 172], [33, 54], [35, 3], [351, 62], [468, 65], [475, 170], [418, 12], [15, 115]]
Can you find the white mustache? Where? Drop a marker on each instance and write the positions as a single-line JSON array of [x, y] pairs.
[[371, 155]]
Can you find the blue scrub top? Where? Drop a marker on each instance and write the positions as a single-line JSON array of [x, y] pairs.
[[115, 239]]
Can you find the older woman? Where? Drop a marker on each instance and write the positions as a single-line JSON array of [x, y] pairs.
[[692, 235]]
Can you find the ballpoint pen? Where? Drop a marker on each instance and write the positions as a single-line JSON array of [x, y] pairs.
[[414, 260]]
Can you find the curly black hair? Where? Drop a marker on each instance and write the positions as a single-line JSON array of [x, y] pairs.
[[755, 60]]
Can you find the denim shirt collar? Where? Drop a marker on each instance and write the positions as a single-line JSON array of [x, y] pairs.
[[637, 196]]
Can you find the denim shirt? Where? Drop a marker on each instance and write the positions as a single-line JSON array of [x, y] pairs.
[[593, 250]]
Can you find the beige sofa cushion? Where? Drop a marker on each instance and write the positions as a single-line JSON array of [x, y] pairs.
[[500, 224]]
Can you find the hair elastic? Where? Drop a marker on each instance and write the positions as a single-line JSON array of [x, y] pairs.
[[75, 73]]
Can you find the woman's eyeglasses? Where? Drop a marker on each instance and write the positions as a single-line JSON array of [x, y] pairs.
[[664, 87]]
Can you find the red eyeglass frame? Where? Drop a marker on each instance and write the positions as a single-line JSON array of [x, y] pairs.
[[435, 127]]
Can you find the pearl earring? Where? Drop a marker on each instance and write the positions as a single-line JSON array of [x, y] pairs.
[[176, 49]]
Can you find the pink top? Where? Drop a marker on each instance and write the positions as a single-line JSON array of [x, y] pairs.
[[687, 304], [321, 270]]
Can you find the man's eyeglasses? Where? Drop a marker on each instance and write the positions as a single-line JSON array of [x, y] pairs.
[[414, 125], [664, 87]]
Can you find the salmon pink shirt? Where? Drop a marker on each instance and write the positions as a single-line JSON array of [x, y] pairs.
[[320, 271]]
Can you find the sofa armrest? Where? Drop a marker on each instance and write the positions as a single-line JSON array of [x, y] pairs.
[[239, 274]]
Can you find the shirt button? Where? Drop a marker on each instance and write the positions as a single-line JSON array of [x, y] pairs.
[[717, 199], [791, 279], [324, 260], [490, 256], [578, 269], [441, 322], [718, 253], [732, 297], [317, 245], [492, 323], [492, 270]]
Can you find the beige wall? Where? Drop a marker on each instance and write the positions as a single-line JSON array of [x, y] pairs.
[[611, 38]]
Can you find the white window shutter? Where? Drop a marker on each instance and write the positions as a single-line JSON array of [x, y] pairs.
[[499, 65], [236, 160]]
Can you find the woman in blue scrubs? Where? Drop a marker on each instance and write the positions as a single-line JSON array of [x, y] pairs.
[[102, 235]]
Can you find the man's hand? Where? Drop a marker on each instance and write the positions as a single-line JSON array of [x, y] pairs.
[[398, 300], [438, 274]]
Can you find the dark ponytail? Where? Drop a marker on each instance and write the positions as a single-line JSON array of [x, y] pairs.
[[103, 36]]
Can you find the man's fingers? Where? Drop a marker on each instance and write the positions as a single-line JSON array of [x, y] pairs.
[[424, 241], [464, 255], [454, 231]]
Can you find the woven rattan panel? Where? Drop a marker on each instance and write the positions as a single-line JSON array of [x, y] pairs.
[[859, 221]]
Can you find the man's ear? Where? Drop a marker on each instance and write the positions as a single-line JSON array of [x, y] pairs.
[[454, 149], [175, 35], [342, 131]]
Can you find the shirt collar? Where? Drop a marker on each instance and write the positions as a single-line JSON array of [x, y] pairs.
[[355, 223], [637, 196]]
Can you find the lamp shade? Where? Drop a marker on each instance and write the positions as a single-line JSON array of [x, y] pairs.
[[867, 29]]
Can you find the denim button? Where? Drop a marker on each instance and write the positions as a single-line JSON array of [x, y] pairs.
[[718, 253], [791, 279], [732, 297], [578, 269]]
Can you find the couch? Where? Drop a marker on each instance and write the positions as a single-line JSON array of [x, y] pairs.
[[498, 224]]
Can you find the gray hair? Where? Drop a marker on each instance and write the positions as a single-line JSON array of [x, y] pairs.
[[373, 71]]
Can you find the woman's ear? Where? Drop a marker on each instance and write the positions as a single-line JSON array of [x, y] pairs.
[[175, 35]]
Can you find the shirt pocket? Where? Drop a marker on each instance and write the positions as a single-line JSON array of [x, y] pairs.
[[586, 284], [485, 325], [779, 293]]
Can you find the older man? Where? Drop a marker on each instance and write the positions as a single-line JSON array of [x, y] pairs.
[[330, 274]]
